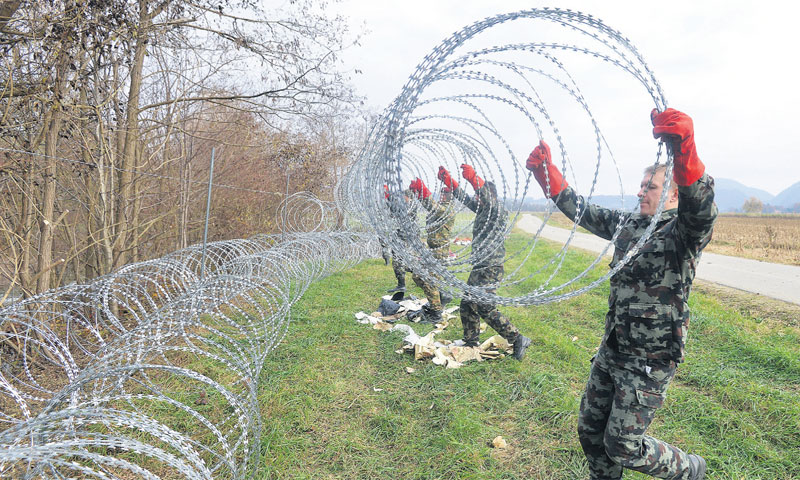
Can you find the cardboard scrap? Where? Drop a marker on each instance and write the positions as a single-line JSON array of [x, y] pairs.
[[496, 342], [450, 354], [382, 326], [499, 442], [465, 354], [363, 318]]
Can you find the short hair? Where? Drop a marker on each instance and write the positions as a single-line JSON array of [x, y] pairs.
[[654, 169]]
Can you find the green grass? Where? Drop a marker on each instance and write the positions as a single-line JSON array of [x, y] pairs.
[[736, 400]]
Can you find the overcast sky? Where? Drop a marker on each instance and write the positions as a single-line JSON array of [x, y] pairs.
[[732, 65]]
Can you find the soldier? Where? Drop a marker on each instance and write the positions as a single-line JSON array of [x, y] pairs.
[[648, 315], [438, 227], [398, 267], [488, 250]]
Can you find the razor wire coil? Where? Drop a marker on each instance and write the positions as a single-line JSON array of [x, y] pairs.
[[453, 110], [95, 367]]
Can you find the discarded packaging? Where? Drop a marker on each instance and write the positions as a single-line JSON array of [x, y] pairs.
[[499, 442]]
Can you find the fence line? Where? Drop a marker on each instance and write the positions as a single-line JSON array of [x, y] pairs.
[[154, 368]]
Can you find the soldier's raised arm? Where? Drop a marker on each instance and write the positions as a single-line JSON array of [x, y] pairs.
[[598, 220], [696, 208], [424, 195], [458, 193]]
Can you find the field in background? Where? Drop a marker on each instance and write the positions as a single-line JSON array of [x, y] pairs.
[[769, 238], [338, 402]]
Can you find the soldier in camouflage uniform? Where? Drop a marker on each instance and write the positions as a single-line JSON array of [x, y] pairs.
[[438, 228], [488, 252], [396, 208], [648, 315]]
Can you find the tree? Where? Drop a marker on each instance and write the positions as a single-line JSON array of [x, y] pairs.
[[753, 205], [104, 104]]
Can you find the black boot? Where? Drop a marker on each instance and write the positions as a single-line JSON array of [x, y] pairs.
[[414, 315], [697, 467], [401, 286], [429, 315], [445, 298], [520, 345]]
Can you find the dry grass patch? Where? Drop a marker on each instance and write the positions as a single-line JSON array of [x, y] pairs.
[[770, 238]]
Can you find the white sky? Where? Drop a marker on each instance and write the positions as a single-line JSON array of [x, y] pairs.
[[732, 65]]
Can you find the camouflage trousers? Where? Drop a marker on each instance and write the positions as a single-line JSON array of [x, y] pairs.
[[619, 403], [400, 270], [472, 312], [430, 291]]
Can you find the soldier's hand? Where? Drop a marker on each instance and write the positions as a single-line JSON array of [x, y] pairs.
[[540, 162], [469, 175], [445, 177], [677, 129]]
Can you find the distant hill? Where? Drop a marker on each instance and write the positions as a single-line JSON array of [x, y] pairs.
[[788, 197], [631, 202], [730, 195]]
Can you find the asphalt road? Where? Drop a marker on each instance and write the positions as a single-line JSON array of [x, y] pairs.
[[769, 279]]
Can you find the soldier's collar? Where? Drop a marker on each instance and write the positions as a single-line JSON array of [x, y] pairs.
[[666, 216]]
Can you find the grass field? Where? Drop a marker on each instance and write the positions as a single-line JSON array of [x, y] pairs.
[[769, 238], [339, 404]]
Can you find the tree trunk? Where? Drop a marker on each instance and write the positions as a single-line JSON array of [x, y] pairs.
[[7, 9], [26, 278], [45, 257], [128, 158]]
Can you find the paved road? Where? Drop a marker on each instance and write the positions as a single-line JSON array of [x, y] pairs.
[[768, 279]]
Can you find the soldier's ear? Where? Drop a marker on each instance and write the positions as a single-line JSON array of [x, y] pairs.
[[673, 195]]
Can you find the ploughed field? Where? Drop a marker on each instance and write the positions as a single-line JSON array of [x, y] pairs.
[[769, 238]]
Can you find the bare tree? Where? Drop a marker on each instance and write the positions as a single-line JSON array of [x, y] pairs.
[[753, 205], [108, 110]]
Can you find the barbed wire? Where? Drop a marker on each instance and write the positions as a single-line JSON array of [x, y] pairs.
[[153, 371], [463, 104]]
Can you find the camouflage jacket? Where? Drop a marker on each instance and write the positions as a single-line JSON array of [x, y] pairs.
[[489, 226], [439, 224], [648, 314], [399, 208]]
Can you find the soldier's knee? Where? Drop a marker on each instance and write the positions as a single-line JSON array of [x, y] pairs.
[[623, 451], [587, 428], [488, 312], [468, 308]]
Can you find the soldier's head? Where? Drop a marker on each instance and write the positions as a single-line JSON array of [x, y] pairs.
[[651, 188], [491, 188]]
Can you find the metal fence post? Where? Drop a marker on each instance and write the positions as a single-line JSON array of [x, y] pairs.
[[208, 210]]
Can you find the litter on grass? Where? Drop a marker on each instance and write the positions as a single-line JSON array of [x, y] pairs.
[[447, 353]]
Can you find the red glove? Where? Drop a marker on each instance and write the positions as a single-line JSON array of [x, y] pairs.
[[541, 164], [677, 128], [419, 188], [445, 177], [469, 175], [386, 192]]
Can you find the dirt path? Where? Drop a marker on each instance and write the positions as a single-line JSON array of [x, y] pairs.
[[773, 280]]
